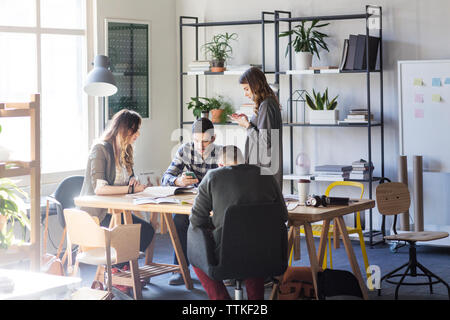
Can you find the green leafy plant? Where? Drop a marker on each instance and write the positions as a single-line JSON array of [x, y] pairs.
[[227, 107], [202, 104], [11, 210], [321, 101], [219, 48], [307, 39]]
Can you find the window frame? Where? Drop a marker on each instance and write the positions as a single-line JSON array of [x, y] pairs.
[[91, 115]]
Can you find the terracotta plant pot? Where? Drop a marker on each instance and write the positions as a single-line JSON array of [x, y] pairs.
[[217, 66], [216, 114]]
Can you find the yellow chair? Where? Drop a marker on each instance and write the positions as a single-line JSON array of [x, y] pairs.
[[317, 228]]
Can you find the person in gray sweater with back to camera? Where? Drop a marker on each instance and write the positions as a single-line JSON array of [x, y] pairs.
[[232, 183]]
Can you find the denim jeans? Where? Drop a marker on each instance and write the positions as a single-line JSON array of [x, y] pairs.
[[181, 222]]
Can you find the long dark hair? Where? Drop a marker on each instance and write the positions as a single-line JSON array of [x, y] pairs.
[[124, 124], [257, 82]]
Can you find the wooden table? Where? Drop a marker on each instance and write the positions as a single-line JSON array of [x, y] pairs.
[[305, 216], [37, 285], [118, 205]]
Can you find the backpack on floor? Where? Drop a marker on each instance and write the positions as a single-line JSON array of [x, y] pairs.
[[297, 284], [333, 283]]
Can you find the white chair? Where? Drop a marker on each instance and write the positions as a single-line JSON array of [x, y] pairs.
[[103, 246]]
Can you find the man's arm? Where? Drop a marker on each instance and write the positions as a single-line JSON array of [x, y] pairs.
[[200, 214], [174, 170]]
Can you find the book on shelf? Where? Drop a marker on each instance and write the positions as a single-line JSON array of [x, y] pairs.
[[361, 52], [359, 117], [361, 163], [323, 68], [332, 173], [344, 55], [199, 63], [354, 53], [350, 60], [328, 178], [359, 176], [332, 168], [361, 169]]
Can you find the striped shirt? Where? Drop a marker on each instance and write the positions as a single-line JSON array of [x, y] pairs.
[[187, 157]]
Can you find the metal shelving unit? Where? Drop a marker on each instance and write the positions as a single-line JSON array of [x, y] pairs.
[[277, 19], [290, 73], [183, 24]]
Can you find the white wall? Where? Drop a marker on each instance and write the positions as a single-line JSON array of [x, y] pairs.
[[412, 29], [153, 147]]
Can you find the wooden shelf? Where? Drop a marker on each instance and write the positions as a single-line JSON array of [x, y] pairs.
[[32, 249], [20, 168]]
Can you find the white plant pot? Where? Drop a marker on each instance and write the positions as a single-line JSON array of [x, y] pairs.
[[205, 114], [303, 60], [323, 116], [5, 154]]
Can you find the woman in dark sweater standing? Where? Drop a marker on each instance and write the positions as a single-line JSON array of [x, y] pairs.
[[264, 144]]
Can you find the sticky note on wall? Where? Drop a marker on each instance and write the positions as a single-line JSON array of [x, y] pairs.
[[436, 82], [436, 97], [418, 98], [418, 82], [447, 81], [418, 113]]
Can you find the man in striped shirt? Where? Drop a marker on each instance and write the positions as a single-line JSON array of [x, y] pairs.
[[198, 157]]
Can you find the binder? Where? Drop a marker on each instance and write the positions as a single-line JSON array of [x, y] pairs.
[[349, 64]]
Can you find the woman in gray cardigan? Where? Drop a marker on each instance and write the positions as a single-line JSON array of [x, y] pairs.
[[110, 168], [264, 144]]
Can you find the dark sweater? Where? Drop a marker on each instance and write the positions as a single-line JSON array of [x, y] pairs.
[[262, 146], [226, 186]]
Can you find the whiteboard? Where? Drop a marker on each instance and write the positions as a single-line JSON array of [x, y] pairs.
[[424, 112], [424, 129]]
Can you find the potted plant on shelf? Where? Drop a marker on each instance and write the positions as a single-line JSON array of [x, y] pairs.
[[322, 110], [306, 43], [220, 115], [11, 210], [201, 106], [220, 50]]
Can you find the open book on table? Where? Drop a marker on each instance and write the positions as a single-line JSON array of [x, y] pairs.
[[161, 194]]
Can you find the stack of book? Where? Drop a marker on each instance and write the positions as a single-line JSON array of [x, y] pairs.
[[358, 116], [354, 53], [199, 65], [360, 170], [333, 172]]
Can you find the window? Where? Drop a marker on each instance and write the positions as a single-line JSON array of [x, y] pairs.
[[43, 50]]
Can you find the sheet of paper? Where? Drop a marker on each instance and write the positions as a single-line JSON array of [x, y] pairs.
[[436, 97], [418, 113], [436, 82]]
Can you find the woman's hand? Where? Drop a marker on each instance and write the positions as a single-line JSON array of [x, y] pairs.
[[138, 187], [185, 180], [240, 119]]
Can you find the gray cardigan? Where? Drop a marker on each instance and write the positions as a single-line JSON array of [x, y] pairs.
[[264, 144], [101, 165], [226, 186]]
